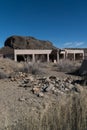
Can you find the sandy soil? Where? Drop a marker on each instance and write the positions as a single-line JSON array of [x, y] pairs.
[[15, 101]]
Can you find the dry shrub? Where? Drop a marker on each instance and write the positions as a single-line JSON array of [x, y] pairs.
[[66, 66], [71, 115], [32, 68], [67, 113], [3, 75], [8, 65]]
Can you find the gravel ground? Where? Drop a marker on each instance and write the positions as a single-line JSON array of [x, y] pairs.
[[17, 103]]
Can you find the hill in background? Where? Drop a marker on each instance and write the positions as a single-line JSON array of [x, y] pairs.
[[20, 42]]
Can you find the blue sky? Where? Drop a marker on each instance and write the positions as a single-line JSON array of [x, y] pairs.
[[63, 22]]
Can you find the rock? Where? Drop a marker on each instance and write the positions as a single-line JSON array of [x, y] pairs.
[[23, 85], [50, 84], [79, 88], [50, 87], [57, 80], [70, 86], [21, 99], [41, 94], [13, 79], [36, 90], [42, 79], [57, 92], [74, 89], [44, 88], [67, 90], [62, 87], [52, 78], [26, 81], [31, 78], [68, 79], [20, 42]]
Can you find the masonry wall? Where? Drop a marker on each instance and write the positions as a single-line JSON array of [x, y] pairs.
[[33, 53]]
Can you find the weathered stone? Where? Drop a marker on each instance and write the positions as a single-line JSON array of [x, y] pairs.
[[52, 81], [44, 88], [68, 79], [23, 85], [50, 84], [36, 90], [21, 99], [41, 94], [13, 79], [57, 85], [52, 78], [31, 78], [79, 87], [70, 86], [57, 92], [62, 87], [26, 81], [50, 87], [74, 89], [22, 42]]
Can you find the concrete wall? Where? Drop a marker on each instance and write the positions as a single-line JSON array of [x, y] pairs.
[[85, 54], [32, 52], [72, 54]]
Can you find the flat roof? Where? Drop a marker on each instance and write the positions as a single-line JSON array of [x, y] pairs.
[[29, 51]]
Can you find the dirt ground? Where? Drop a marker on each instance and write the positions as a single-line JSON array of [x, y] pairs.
[[15, 101]]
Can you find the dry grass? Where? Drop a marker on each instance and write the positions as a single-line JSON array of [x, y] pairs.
[[3, 75], [8, 66], [31, 68], [68, 113], [66, 66], [71, 115], [64, 113]]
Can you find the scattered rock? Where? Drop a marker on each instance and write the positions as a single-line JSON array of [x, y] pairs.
[[40, 85], [41, 94], [52, 78], [74, 89]]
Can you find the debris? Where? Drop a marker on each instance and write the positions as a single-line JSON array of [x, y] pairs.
[[40, 85]]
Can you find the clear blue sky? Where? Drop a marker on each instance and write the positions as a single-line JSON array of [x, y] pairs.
[[63, 22]]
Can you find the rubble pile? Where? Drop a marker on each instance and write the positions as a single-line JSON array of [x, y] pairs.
[[44, 85]]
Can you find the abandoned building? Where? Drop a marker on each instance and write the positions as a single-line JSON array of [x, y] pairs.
[[85, 54], [7, 52], [36, 55], [49, 55], [22, 48], [72, 54], [44, 55]]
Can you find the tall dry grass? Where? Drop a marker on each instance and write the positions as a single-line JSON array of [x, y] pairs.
[[31, 68], [68, 113], [67, 66], [71, 115]]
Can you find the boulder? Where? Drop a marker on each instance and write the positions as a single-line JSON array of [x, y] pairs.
[[27, 42], [83, 68]]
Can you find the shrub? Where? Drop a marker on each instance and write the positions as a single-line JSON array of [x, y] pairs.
[[66, 66], [3, 75], [67, 113], [32, 68]]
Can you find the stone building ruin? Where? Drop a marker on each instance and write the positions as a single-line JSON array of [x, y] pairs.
[[54, 55], [27, 48], [36, 55]]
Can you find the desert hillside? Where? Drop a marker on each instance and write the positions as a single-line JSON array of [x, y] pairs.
[[23, 42], [20, 42], [39, 96]]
